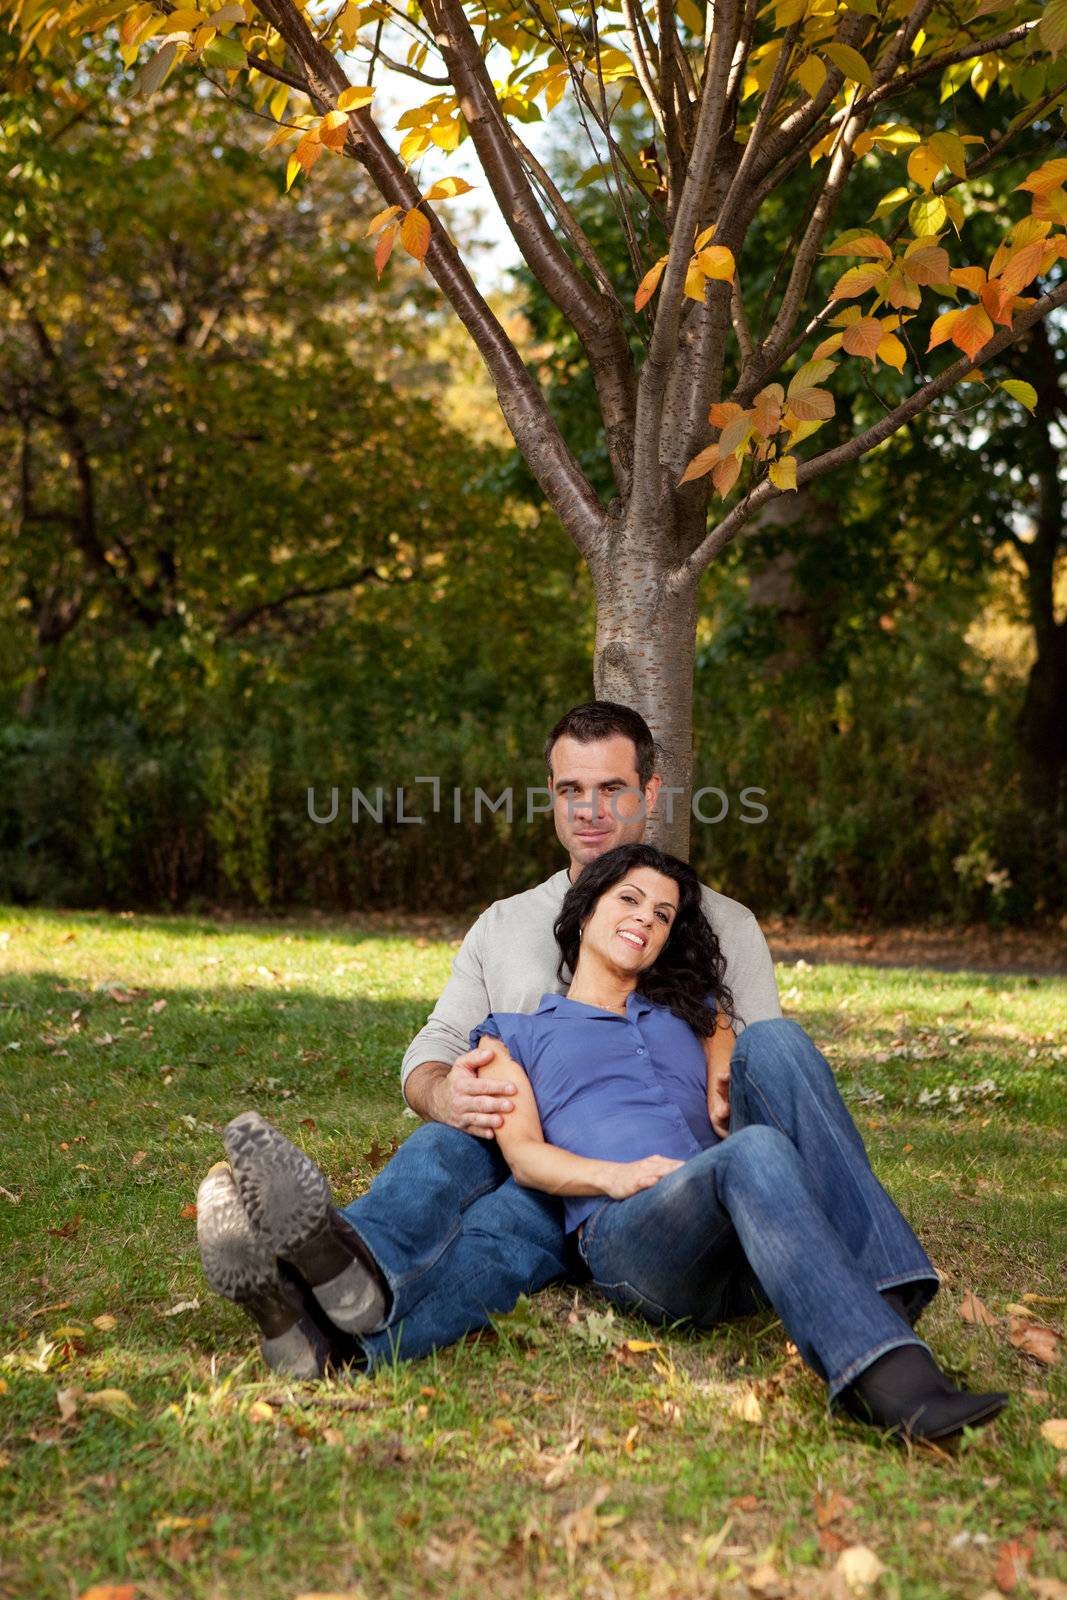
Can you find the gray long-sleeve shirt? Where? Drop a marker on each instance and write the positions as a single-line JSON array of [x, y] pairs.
[[508, 961]]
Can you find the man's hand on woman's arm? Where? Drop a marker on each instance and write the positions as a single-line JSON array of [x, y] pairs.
[[456, 1096]]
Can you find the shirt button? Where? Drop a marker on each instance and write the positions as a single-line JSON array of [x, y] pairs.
[[640, 1050]]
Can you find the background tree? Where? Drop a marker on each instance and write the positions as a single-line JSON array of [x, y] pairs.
[[736, 99]]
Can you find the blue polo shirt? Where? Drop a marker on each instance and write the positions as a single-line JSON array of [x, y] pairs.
[[612, 1087]]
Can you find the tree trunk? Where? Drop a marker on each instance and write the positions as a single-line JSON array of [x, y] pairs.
[[1043, 725], [645, 656]]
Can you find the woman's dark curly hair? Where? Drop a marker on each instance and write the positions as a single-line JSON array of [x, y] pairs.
[[688, 968]]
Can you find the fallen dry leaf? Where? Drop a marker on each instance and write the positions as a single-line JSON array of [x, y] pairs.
[[767, 1581], [105, 1322], [260, 1411], [971, 1309], [68, 1229], [1054, 1432], [157, 1006], [137, 1157], [860, 1567], [1013, 1558], [116, 1402], [181, 1524], [1048, 1589], [183, 1305], [828, 1510], [747, 1407], [187, 1211], [106, 1591], [67, 1401], [831, 1542], [1035, 1339]]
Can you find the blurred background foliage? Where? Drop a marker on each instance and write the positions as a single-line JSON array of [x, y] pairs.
[[261, 531]]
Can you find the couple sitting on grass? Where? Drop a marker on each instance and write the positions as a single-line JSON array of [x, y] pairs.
[[611, 1096]]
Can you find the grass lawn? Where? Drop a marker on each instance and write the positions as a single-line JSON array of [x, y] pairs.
[[142, 1442]]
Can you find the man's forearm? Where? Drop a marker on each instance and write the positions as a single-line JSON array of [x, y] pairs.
[[422, 1089]]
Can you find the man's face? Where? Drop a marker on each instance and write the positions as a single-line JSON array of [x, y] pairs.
[[597, 798]]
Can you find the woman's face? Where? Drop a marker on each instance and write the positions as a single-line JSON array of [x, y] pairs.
[[630, 923]]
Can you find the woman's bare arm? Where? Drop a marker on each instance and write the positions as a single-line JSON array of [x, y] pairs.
[[538, 1165]]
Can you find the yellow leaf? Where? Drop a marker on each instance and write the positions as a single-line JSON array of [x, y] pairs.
[[892, 352], [942, 330], [413, 145], [291, 171], [695, 283], [106, 1322], [378, 222], [811, 75], [704, 238], [415, 233], [260, 1411], [448, 188], [1026, 395], [735, 434], [923, 166], [783, 473], [116, 1402], [850, 62], [950, 149], [445, 135], [700, 465], [355, 96], [717, 263], [648, 285], [857, 242], [640, 1346]]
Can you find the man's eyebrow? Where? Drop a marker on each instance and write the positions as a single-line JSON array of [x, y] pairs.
[[602, 783], [667, 905]]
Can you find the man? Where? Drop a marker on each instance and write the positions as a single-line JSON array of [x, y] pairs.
[[444, 1237]]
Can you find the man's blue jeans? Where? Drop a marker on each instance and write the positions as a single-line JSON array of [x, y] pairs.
[[786, 1210], [456, 1239]]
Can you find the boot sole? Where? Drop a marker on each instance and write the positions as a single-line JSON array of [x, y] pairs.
[[288, 1201], [238, 1267]]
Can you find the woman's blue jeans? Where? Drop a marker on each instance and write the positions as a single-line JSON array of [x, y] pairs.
[[786, 1210]]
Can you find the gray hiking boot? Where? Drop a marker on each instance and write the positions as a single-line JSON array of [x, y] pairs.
[[238, 1266], [288, 1202]]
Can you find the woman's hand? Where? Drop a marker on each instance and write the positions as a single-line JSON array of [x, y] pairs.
[[623, 1178]]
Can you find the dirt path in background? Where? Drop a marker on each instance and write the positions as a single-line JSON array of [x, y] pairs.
[[979, 949]]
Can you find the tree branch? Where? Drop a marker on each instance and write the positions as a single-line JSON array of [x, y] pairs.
[[533, 427], [853, 449]]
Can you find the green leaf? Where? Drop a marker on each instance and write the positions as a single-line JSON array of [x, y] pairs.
[[228, 53], [850, 62], [927, 216], [1025, 393], [1053, 26]]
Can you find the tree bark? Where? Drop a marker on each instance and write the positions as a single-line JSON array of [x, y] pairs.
[[644, 658]]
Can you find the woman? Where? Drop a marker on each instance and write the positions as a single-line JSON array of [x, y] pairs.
[[701, 1179]]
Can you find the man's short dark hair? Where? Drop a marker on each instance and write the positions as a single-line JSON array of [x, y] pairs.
[[602, 719]]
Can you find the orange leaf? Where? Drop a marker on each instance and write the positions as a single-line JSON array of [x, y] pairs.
[[971, 330], [726, 474], [333, 130], [415, 233], [187, 1212], [857, 280], [648, 285], [864, 244], [109, 1591], [1035, 1339], [811, 405], [722, 412], [1013, 1558], [862, 338], [972, 278], [1023, 266], [971, 1309], [930, 264], [735, 434], [1045, 178], [384, 249], [700, 465]]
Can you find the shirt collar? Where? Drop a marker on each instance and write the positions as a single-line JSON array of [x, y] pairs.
[[636, 1006]]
